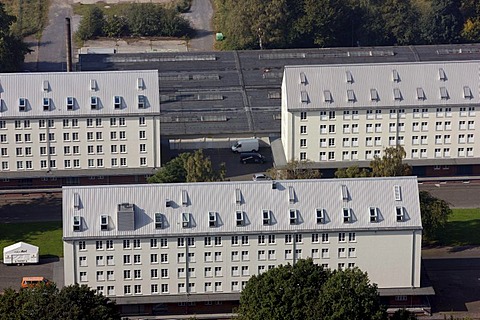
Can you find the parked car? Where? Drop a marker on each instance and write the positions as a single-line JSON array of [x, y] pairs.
[[260, 177], [29, 282], [251, 157]]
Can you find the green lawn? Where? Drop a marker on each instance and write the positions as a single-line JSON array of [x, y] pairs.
[[46, 235], [463, 228]]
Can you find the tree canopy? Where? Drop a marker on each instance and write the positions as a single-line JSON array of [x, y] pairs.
[[295, 170], [12, 48], [188, 167], [46, 302], [391, 163], [435, 213], [270, 24], [303, 290], [352, 172]]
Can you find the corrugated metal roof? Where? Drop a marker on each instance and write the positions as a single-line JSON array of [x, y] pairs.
[[222, 198], [399, 84], [86, 88]]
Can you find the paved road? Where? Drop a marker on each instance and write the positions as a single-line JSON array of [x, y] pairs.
[[200, 16], [457, 194]]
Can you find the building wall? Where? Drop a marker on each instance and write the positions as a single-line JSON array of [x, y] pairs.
[[331, 135], [35, 140], [346, 114], [218, 264], [200, 257]]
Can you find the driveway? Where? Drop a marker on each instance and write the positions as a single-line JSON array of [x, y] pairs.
[[200, 17]]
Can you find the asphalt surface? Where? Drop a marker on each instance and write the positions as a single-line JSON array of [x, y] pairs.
[[457, 194], [200, 17], [238, 92]]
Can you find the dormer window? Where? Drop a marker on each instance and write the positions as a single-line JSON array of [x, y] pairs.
[[267, 217], [76, 200], [350, 96], [184, 198], [212, 219], [420, 94], [140, 84], [22, 104], [397, 190], [397, 95], [141, 101], [93, 85], [373, 214], [93, 103], [240, 218], [304, 96], [293, 216], [347, 215], [186, 222], [444, 93], [374, 95], [327, 96], [320, 216], [344, 193], [159, 220], [46, 104], [303, 78], [291, 195], [70, 101], [400, 213], [349, 77], [46, 86], [396, 77], [104, 222], [441, 75], [467, 93], [77, 223], [117, 102], [238, 197]]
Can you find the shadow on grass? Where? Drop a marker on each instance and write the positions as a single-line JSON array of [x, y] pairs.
[[46, 235], [462, 235]]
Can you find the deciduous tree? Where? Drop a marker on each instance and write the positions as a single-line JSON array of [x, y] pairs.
[[284, 292], [434, 212], [295, 170], [348, 294], [91, 25], [352, 172], [444, 23], [403, 314], [391, 163], [188, 167], [12, 48]]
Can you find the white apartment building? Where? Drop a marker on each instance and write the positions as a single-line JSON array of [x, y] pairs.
[[341, 115], [57, 125], [170, 243]]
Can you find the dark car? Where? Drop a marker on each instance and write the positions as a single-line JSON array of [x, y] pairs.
[[251, 157]]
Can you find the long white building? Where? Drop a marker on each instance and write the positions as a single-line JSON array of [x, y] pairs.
[[78, 124], [192, 242], [341, 115]]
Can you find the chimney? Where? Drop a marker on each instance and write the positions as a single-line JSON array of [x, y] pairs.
[[69, 44]]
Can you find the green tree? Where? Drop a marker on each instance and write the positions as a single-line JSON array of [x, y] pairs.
[[46, 302], [352, 172], [91, 25], [434, 212], [403, 314], [145, 19], [401, 22], [349, 295], [444, 23], [391, 163], [471, 30], [12, 48], [284, 292], [115, 26], [295, 170], [188, 167]]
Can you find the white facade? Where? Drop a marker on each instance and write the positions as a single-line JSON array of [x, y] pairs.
[[341, 115], [66, 123], [207, 239]]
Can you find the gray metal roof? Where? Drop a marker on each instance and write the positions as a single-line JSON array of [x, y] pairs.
[[419, 84], [224, 199], [56, 87]]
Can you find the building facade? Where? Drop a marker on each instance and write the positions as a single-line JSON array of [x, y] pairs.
[[56, 126], [341, 115], [151, 245]]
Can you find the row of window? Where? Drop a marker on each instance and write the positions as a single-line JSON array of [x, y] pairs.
[[393, 113], [377, 141], [71, 163], [71, 123], [72, 104], [156, 243], [69, 150], [91, 136], [370, 154]]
